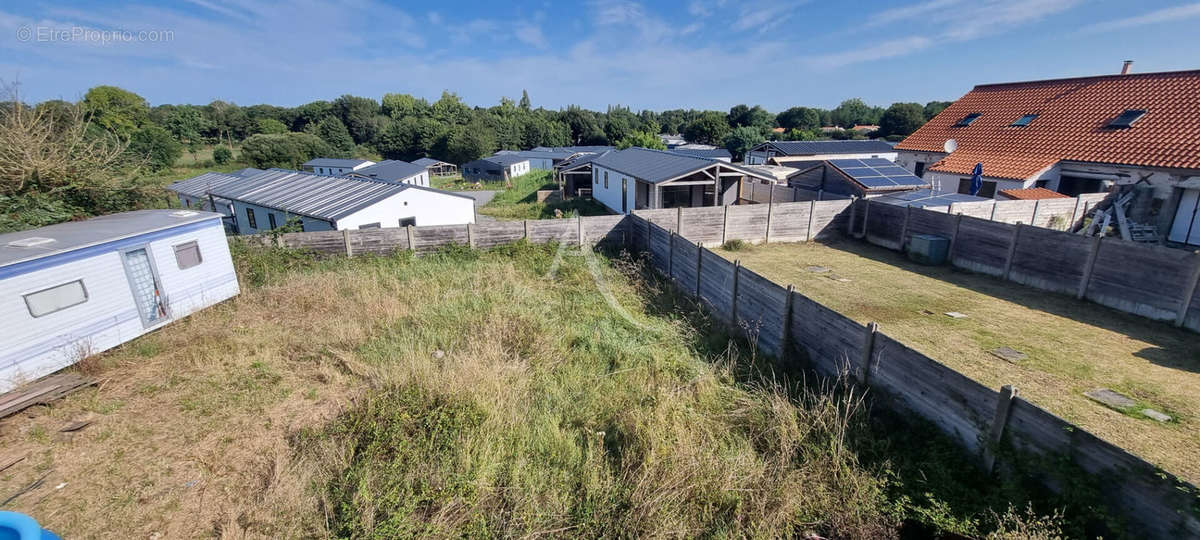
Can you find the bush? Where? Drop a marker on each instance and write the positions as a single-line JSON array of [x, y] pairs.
[[222, 155], [735, 245], [156, 146]]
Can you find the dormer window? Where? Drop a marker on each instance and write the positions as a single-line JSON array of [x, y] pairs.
[[1024, 120], [966, 120], [1127, 118]]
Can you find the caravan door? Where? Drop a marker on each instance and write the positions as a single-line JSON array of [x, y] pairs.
[[145, 285], [1186, 227]]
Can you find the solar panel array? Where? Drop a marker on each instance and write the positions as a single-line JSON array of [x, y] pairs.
[[926, 197], [878, 173]]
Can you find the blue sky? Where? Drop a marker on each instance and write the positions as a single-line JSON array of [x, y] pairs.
[[681, 54]]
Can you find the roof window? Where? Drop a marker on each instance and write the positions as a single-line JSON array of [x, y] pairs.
[[1127, 118], [966, 120], [1024, 120]]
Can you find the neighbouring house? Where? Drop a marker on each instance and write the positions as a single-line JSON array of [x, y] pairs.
[[575, 174], [778, 173], [1134, 133], [196, 192], [394, 170], [334, 166], [437, 168], [75, 289], [586, 149], [719, 154], [788, 153], [864, 128], [497, 168], [543, 160], [1029, 194], [635, 178], [869, 177], [321, 203], [671, 141]]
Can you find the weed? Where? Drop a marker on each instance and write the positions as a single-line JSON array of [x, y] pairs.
[[736, 245]]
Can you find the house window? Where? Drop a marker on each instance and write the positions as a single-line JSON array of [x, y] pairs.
[[408, 222], [56, 298], [250, 218], [919, 168], [966, 120], [1024, 120], [188, 202], [605, 179], [1127, 118], [369, 225], [988, 190], [187, 255], [271, 219]]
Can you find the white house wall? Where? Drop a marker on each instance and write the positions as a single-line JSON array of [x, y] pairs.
[[32, 347], [611, 196], [428, 207], [908, 159]]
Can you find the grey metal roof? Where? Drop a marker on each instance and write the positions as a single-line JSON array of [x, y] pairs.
[[579, 161], [200, 186], [334, 162], [248, 171], [544, 154], [428, 162], [805, 148], [392, 170], [711, 153], [694, 146], [316, 196], [656, 166], [595, 149], [74, 235], [503, 159]]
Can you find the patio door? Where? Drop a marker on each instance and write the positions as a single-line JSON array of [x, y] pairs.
[[1186, 227], [624, 195], [145, 285]]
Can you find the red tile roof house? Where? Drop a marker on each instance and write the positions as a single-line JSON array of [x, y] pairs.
[[1075, 136]]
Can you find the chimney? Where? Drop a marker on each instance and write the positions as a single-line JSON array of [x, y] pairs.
[[1127, 67]]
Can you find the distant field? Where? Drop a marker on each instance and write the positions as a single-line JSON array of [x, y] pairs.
[[1072, 346]]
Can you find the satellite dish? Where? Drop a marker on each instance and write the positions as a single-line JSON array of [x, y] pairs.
[[950, 146]]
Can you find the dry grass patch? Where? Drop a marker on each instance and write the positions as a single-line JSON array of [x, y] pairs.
[[1072, 346]]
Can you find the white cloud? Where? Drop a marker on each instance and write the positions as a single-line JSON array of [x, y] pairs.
[[763, 16], [909, 12], [434, 18], [704, 8], [1171, 14], [878, 51], [531, 35]]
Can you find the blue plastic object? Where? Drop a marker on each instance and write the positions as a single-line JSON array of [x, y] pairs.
[[18, 526]]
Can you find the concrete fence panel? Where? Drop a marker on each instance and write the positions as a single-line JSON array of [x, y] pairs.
[[564, 231], [497, 233], [761, 310], [1142, 279], [430, 239], [685, 258], [831, 342], [981, 209], [982, 246], [716, 284], [829, 217], [660, 247], [1014, 211], [885, 224], [1054, 213], [748, 222], [789, 222], [1050, 260], [666, 218], [606, 229], [925, 221], [704, 225], [328, 242]]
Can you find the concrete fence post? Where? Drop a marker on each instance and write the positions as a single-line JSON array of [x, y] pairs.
[[866, 217], [346, 239], [699, 258], [679, 220], [812, 216], [995, 204], [279, 241], [733, 297], [579, 229], [1189, 291], [724, 224], [999, 422], [1088, 267], [471, 235], [953, 239], [671, 255], [525, 223], [648, 231], [1037, 210], [770, 211], [412, 242], [1075, 213], [868, 350], [904, 227], [853, 216], [786, 336], [1012, 249]]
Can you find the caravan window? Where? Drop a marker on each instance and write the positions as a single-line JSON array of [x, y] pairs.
[[56, 298], [187, 255], [250, 218]]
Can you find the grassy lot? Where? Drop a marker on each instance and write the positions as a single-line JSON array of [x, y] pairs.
[[333, 398], [1072, 346], [520, 201]]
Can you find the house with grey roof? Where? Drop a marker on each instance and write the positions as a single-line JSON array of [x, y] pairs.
[[334, 166], [437, 168], [196, 192], [636, 178], [787, 152], [394, 170], [719, 154], [497, 168], [276, 197], [543, 160], [574, 175]]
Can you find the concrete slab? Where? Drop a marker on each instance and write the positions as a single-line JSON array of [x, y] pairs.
[[1110, 398], [1009, 354], [1155, 415], [956, 315], [817, 269]]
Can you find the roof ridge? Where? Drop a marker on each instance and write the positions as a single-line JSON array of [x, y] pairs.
[[1095, 77]]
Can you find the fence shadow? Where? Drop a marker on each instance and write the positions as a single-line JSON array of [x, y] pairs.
[[1171, 347]]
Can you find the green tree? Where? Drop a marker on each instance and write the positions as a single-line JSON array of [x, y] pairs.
[[450, 109], [525, 104], [902, 119], [115, 109], [398, 106], [222, 155], [742, 139], [270, 126], [642, 139], [585, 129], [799, 118], [932, 108], [156, 146], [619, 123], [287, 150], [755, 116], [337, 136], [470, 142], [851, 112], [710, 128], [311, 113], [357, 114]]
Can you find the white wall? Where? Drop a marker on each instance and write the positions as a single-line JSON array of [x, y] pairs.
[[32, 347], [611, 196], [428, 207], [264, 222], [908, 159], [948, 182], [518, 168], [890, 156]]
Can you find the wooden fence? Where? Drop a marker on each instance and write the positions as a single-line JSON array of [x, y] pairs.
[[1153, 281], [799, 330]]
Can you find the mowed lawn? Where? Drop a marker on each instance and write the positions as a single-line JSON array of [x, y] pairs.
[[1072, 346]]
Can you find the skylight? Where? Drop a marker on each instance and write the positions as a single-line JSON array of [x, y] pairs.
[[1024, 120], [966, 120], [32, 241], [1127, 118]]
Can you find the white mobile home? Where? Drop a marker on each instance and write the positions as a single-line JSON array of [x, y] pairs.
[[791, 153], [394, 170], [71, 290], [334, 166], [323, 203], [497, 168]]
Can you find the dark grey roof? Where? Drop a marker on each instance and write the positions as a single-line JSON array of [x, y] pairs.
[[579, 161], [316, 196], [805, 148], [428, 162], [712, 153], [200, 186], [74, 235], [334, 162], [595, 149], [248, 171], [503, 159], [656, 166], [544, 154], [392, 170]]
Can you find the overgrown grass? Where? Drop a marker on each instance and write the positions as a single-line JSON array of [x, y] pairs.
[[470, 393], [520, 201]]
